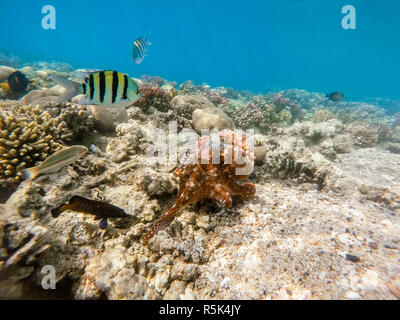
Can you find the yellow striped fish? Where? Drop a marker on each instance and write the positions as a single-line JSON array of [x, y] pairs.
[[139, 49], [103, 88], [56, 161]]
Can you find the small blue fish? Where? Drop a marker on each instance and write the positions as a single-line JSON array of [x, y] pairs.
[[140, 48]]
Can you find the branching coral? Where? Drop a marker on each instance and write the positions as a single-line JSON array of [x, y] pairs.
[[153, 97], [206, 177], [27, 135], [264, 111]]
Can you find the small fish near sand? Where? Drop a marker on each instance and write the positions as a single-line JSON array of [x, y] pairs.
[[101, 88], [101, 210], [56, 161], [139, 49], [335, 96], [16, 83]]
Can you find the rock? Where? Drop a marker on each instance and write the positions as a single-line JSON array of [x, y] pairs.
[[184, 271], [211, 118], [394, 288], [373, 245], [176, 288], [393, 147], [112, 273], [188, 295], [352, 295], [182, 103], [44, 96], [155, 183], [161, 280], [352, 258], [5, 72], [30, 73], [106, 119]]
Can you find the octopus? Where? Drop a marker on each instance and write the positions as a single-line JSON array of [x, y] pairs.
[[208, 178]]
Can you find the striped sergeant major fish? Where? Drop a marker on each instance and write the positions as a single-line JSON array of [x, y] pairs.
[[139, 49], [101, 88]]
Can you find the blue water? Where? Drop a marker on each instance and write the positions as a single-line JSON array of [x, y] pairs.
[[256, 45]]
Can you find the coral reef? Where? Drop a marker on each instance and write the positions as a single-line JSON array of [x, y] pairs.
[[28, 135], [322, 115], [363, 136], [153, 97], [322, 224], [264, 111]]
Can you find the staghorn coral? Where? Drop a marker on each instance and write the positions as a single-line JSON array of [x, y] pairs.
[[27, 135], [206, 177], [153, 97]]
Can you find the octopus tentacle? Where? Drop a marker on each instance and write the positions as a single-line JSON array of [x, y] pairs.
[[162, 223]]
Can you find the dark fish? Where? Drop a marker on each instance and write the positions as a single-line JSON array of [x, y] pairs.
[[18, 82], [139, 49], [335, 96], [101, 210]]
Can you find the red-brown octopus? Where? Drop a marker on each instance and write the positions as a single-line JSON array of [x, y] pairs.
[[201, 178]]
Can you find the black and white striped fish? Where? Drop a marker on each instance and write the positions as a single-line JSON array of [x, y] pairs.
[[139, 49], [102, 88]]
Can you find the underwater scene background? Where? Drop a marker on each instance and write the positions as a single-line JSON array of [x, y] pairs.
[[104, 105], [257, 46]]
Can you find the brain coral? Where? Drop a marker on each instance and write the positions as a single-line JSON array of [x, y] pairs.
[[27, 135]]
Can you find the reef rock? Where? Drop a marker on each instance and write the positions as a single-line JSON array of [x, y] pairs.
[[183, 103], [112, 273], [106, 119], [211, 118], [44, 97], [5, 72]]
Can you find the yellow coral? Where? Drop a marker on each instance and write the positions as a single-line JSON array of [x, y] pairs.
[[27, 135]]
